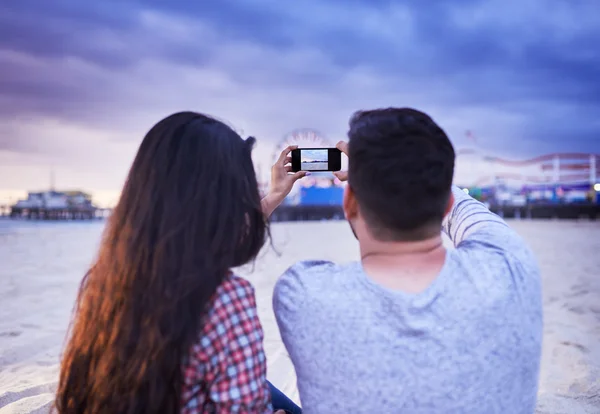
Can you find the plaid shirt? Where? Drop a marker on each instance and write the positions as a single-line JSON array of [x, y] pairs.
[[226, 371]]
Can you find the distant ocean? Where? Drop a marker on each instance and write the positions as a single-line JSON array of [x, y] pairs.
[[42, 263]]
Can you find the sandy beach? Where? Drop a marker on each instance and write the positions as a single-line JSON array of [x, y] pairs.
[[41, 265]]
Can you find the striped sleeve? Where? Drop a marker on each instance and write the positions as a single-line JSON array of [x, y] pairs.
[[470, 222]]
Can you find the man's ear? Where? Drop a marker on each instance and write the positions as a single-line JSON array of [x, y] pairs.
[[450, 204], [350, 205]]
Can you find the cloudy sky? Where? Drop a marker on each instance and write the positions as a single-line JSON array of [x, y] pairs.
[[81, 81]]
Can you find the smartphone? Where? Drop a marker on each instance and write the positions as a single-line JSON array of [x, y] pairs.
[[316, 159]]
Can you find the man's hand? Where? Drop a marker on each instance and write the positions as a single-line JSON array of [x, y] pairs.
[[281, 181], [342, 175]]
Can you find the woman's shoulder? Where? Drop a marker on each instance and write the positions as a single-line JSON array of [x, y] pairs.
[[230, 336], [234, 307], [235, 288]]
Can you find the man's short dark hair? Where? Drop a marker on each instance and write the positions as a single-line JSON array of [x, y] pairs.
[[401, 169]]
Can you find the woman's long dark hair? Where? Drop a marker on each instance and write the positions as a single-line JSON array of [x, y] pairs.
[[190, 211]]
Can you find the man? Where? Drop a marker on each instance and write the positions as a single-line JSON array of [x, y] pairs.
[[414, 327]]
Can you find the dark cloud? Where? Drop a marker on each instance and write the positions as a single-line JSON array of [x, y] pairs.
[[534, 62]]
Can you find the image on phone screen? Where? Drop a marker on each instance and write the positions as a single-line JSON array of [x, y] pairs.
[[314, 159]]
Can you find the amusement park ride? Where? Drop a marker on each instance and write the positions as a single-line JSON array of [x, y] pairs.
[[552, 178]]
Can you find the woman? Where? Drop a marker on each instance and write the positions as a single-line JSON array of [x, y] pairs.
[[162, 325]]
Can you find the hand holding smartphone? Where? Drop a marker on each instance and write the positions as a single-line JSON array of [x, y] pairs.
[[316, 159]]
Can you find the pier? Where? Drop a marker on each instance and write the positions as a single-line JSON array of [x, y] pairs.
[[53, 213], [55, 205], [549, 211], [307, 213], [533, 211]]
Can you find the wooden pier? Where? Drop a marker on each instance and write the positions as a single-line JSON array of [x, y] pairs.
[[307, 213], [549, 211], [533, 211], [54, 214], [322, 212]]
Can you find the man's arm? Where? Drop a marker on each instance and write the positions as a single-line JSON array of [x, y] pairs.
[[294, 311], [470, 222], [289, 296]]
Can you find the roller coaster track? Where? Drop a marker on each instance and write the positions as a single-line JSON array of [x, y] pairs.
[[567, 167], [562, 156], [575, 156]]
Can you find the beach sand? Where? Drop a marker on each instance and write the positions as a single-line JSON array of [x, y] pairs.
[[41, 265]]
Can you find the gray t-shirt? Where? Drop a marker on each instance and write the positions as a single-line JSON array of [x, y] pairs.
[[470, 343]]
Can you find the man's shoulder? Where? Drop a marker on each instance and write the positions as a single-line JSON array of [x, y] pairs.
[[306, 281], [517, 268], [313, 267], [314, 273]]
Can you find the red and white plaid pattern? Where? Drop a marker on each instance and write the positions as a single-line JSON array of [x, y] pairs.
[[226, 371]]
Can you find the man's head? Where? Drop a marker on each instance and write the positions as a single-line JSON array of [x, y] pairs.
[[401, 165]]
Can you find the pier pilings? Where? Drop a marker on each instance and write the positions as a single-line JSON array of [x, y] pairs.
[[53, 214], [533, 211]]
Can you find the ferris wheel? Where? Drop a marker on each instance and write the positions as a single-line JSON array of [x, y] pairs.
[[304, 138]]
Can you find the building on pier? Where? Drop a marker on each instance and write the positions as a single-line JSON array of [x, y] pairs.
[[55, 205]]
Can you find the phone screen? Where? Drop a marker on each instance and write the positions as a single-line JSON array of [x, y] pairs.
[[316, 159]]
